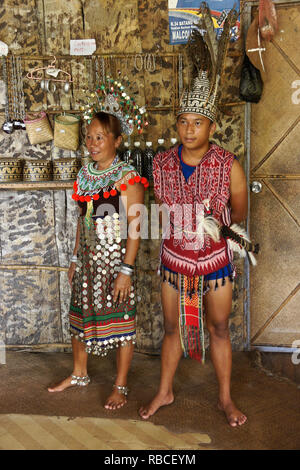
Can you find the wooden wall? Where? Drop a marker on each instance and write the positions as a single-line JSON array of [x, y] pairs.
[[37, 227]]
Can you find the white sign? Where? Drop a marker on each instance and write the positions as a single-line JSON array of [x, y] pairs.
[[3, 48], [82, 46]]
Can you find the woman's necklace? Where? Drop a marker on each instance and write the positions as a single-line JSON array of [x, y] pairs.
[[90, 180], [114, 162]]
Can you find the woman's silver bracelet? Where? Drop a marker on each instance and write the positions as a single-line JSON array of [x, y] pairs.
[[74, 259], [125, 270]]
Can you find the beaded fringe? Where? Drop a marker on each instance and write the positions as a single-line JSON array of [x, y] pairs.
[[172, 279], [102, 348], [221, 280], [169, 277]]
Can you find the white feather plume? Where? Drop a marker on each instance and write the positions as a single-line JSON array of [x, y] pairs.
[[239, 249], [211, 228]]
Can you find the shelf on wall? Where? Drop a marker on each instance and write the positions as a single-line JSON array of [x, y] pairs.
[[41, 185], [37, 185]]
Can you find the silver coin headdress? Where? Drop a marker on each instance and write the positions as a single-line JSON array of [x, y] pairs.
[[112, 98]]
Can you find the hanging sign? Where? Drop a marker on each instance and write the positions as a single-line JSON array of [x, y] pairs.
[[183, 15], [82, 46]]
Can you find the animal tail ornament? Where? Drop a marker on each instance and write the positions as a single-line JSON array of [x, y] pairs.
[[207, 224], [239, 242], [211, 227]]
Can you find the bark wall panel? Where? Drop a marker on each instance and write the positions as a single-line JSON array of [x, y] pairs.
[[63, 21], [149, 312], [154, 25], [27, 228], [114, 25], [19, 27], [65, 297], [159, 84], [232, 72], [65, 214], [230, 132], [30, 306]]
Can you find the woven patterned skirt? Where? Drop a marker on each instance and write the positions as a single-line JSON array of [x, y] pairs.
[[94, 318], [191, 312]]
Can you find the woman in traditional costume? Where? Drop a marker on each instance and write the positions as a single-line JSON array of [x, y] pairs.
[[102, 275]]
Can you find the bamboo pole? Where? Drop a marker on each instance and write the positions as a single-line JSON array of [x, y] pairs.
[[36, 186], [107, 55], [28, 267], [30, 347]]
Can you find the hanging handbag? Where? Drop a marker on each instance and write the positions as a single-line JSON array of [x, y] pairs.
[[38, 128], [251, 84], [66, 131]]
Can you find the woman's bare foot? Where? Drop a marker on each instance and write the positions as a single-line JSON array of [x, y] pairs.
[[234, 416], [70, 381], [116, 400], [158, 401], [61, 386]]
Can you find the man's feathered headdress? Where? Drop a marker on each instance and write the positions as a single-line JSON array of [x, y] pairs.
[[206, 57]]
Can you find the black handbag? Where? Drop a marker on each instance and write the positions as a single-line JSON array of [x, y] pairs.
[[251, 84]]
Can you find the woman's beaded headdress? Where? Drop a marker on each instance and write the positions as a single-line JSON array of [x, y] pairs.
[[111, 97], [206, 57]]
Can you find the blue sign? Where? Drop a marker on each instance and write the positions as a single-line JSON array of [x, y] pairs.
[[183, 15]]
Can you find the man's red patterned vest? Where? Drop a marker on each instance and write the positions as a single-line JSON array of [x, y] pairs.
[[186, 249]]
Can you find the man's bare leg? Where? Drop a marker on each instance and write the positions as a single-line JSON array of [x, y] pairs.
[[170, 354], [218, 307], [80, 357], [124, 357]]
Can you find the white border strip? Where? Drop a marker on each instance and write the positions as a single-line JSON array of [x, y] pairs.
[[280, 349]]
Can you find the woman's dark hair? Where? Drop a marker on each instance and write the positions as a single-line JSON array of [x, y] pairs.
[[109, 122]]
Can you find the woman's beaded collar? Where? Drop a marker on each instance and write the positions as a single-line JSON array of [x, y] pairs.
[[91, 181]]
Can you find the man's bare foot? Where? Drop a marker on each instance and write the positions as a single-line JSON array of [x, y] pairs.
[[70, 381], [234, 416], [158, 401], [115, 400]]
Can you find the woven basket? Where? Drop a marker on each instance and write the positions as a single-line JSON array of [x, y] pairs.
[[37, 170], [66, 131], [65, 169], [38, 128], [11, 170]]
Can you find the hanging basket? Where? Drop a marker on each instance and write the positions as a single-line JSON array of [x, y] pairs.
[[38, 128], [66, 131], [37, 170], [65, 169], [11, 170]]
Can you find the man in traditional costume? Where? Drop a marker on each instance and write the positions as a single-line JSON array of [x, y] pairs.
[[202, 188]]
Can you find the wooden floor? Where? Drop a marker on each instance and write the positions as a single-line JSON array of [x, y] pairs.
[[26, 432]]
